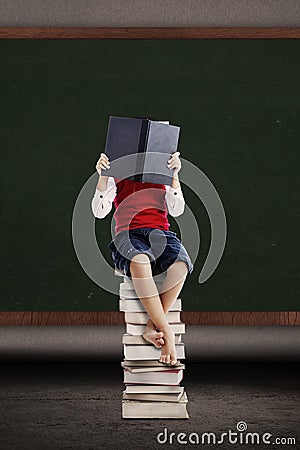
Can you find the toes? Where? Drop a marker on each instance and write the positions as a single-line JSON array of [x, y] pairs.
[[156, 343], [166, 359]]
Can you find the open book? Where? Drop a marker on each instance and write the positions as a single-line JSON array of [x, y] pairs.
[[139, 149]]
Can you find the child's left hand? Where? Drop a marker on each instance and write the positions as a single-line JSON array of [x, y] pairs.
[[174, 162]]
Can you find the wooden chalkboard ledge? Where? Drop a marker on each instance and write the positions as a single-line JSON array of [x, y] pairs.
[[149, 33], [116, 318]]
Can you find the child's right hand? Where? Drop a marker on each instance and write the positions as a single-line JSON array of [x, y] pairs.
[[102, 163]]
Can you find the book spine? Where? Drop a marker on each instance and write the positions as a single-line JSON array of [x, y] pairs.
[[141, 150]]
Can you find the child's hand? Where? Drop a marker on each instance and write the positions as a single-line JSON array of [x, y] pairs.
[[102, 163], [174, 162]]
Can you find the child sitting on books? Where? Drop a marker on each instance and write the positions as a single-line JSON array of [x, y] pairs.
[[142, 229]]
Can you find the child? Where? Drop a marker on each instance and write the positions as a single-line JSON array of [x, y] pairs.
[[141, 223]]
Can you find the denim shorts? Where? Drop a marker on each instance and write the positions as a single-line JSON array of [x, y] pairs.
[[162, 246]]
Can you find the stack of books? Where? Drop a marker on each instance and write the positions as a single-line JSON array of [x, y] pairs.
[[152, 389]]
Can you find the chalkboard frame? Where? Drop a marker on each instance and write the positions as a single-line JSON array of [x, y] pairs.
[[116, 318]]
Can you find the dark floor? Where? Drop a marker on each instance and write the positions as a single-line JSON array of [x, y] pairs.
[[78, 406]]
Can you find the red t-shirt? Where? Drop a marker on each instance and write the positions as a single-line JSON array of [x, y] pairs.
[[140, 205]]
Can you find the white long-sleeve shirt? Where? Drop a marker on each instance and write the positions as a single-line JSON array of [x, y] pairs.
[[103, 200]]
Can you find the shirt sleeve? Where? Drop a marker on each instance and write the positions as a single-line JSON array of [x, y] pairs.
[[103, 200], [175, 200]]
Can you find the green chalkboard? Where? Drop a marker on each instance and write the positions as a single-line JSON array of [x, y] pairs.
[[237, 103]]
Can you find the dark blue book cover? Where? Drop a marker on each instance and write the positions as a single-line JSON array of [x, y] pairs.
[[139, 149]]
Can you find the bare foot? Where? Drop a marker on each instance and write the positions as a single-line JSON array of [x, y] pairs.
[[153, 336], [168, 351]]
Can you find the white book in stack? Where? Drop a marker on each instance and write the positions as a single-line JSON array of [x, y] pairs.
[[135, 305], [134, 409], [136, 330], [139, 340], [145, 352], [152, 389]]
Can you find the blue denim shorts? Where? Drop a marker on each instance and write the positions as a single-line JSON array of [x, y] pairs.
[[162, 246]]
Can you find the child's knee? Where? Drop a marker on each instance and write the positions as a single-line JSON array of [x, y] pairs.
[[140, 262], [179, 267]]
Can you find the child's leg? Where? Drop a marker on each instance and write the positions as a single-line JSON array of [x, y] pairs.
[[173, 283], [145, 287], [171, 287]]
